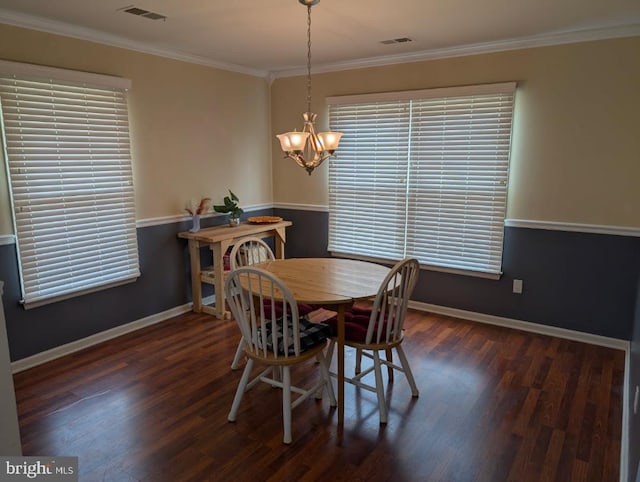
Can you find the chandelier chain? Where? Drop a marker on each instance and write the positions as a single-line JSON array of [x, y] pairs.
[[308, 148], [308, 58]]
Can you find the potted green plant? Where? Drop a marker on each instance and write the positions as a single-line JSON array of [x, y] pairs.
[[230, 207]]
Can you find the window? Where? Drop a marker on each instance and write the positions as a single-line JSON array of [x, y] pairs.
[[66, 147], [422, 174]]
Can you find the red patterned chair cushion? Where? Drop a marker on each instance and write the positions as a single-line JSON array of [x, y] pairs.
[[356, 321]]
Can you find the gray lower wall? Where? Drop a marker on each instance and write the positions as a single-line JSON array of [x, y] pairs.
[[164, 284], [578, 281]]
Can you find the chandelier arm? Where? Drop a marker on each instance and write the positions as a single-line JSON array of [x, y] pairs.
[[324, 157], [308, 165], [297, 158]]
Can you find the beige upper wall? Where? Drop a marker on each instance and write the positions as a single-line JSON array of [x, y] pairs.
[[576, 140], [189, 123], [576, 149]]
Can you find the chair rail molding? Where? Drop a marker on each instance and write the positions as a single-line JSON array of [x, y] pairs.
[[177, 218], [574, 227], [7, 239], [302, 207]]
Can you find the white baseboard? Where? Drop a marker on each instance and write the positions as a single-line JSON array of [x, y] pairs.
[[524, 326], [60, 351]]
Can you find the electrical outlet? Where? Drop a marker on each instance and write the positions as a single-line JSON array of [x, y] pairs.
[[517, 286]]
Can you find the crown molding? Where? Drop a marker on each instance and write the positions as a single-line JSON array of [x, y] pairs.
[[84, 33], [541, 329], [545, 40]]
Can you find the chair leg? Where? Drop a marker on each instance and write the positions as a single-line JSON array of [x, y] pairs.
[[321, 386], [330, 349], [358, 360], [239, 352], [382, 403], [277, 374], [286, 404], [407, 371], [324, 372], [389, 354], [240, 391]]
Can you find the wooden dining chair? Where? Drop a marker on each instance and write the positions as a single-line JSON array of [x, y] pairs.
[[247, 251], [250, 250], [278, 341], [381, 330]]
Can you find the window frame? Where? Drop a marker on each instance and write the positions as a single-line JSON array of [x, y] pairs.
[[374, 140], [47, 155]]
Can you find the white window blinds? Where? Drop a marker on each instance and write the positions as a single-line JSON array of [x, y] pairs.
[[69, 163], [422, 174]]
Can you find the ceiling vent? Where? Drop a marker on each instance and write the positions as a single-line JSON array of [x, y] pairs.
[[400, 40], [143, 13]]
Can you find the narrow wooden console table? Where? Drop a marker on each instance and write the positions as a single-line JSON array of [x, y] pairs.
[[219, 238]]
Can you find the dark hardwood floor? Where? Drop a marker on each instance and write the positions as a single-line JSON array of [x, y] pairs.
[[495, 404]]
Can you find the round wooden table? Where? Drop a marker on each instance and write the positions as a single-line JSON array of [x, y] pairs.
[[331, 282]]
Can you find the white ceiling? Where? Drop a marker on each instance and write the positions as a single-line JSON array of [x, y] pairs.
[[269, 36]]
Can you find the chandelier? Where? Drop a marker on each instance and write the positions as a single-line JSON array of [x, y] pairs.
[[308, 148]]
